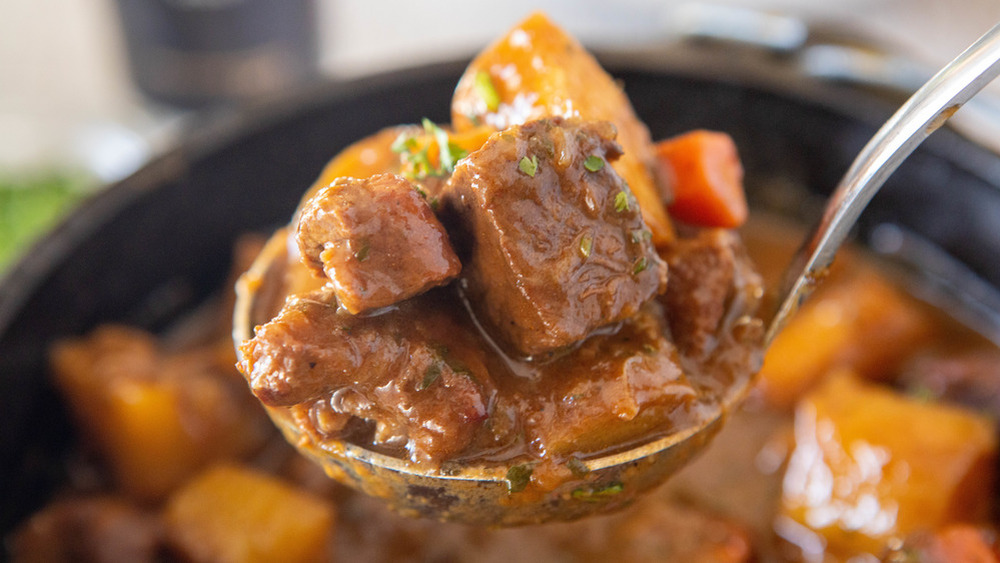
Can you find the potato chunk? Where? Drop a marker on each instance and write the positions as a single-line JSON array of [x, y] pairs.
[[537, 70], [234, 514], [156, 418], [861, 322], [870, 466]]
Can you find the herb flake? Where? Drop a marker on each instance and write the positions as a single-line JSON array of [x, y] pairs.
[[586, 245], [518, 477], [622, 201], [593, 163], [640, 265], [487, 92], [599, 494], [361, 254], [528, 165], [431, 375], [640, 235]]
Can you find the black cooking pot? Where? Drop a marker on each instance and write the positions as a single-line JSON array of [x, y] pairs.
[[155, 245]]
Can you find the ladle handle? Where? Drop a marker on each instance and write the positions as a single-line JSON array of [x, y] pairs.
[[921, 115]]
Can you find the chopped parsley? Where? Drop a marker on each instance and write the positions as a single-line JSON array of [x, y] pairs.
[[599, 494], [361, 254], [586, 245], [640, 265], [483, 85], [518, 477], [431, 375], [639, 235], [593, 163], [417, 162], [621, 201], [529, 165]]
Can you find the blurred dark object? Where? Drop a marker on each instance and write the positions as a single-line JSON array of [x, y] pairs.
[[197, 53]]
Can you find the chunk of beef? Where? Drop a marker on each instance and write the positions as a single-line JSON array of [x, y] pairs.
[[98, 529], [613, 389], [556, 245], [414, 371], [706, 272], [971, 379], [377, 240]]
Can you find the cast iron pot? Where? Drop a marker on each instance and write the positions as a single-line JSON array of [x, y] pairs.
[[152, 247]]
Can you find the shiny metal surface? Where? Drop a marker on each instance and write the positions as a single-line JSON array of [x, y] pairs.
[[929, 108]]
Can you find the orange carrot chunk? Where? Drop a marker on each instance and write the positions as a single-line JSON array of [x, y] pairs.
[[708, 178]]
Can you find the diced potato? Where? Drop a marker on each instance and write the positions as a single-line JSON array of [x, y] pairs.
[[861, 322], [537, 70], [870, 466], [156, 419], [231, 514]]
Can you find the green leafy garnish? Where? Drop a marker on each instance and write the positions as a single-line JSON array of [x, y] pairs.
[[593, 163], [586, 245], [640, 235], [640, 265], [362, 253], [529, 165], [621, 201], [417, 161], [431, 375], [31, 204], [518, 477], [599, 494], [486, 91]]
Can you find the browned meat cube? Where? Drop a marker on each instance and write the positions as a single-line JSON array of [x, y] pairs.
[[101, 529], [556, 244], [416, 372], [377, 240], [631, 393], [971, 378], [706, 273]]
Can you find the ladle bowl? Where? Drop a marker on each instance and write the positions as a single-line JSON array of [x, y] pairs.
[[480, 494]]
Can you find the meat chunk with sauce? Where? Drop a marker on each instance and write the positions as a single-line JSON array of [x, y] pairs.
[[554, 243], [413, 372], [707, 272], [376, 239]]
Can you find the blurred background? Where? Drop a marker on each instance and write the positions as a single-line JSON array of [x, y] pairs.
[[91, 89]]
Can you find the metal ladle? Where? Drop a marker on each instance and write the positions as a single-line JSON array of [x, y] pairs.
[[479, 494]]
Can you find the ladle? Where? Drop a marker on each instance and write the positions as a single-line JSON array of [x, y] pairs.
[[477, 494]]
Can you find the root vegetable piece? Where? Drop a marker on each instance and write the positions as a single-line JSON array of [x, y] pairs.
[[376, 239], [537, 70], [860, 322], [233, 514], [156, 418], [708, 179], [553, 242], [870, 465]]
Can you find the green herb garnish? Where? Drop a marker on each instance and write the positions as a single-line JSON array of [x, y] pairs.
[[417, 161], [621, 201], [450, 152], [529, 165], [362, 253], [640, 235], [640, 265], [593, 163], [600, 494], [518, 477], [431, 375], [486, 91], [586, 245]]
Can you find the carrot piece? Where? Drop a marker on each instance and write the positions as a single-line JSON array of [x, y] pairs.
[[708, 178]]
